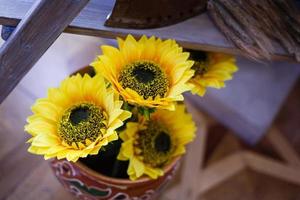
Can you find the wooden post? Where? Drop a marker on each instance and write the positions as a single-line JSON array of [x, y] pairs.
[[44, 22]]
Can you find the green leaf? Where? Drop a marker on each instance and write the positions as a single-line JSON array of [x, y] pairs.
[[145, 111]]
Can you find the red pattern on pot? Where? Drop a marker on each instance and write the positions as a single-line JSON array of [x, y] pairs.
[[87, 184]]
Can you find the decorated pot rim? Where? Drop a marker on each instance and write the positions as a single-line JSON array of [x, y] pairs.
[[113, 180]]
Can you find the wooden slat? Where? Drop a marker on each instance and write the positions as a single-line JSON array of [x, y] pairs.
[[283, 147], [220, 171], [41, 26], [228, 145], [272, 168], [197, 33]]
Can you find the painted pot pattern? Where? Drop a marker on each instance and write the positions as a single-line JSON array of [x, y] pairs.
[[87, 184]]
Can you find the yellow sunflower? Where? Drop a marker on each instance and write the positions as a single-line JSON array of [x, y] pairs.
[[150, 145], [211, 70], [75, 120], [148, 72]]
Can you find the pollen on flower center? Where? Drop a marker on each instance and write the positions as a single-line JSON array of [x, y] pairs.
[[81, 122], [155, 144], [146, 78]]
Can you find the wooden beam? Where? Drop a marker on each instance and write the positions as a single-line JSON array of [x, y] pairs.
[[272, 168], [220, 171], [197, 33], [43, 23], [283, 148]]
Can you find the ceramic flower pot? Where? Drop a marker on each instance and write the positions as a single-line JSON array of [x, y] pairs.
[[87, 184]]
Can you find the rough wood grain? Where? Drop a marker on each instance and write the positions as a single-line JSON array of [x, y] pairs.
[[195, 33], [262, 22], [33, 36]]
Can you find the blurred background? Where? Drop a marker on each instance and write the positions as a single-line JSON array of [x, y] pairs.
[[222, 164]]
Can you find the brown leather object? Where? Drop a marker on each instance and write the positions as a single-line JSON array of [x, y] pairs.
[[141, 14]]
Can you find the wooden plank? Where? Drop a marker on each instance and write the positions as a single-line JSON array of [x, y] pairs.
[[220, 171], [227, 146], [282, 146], [250, 185], [15, 166], [196, 33], [272, 168], [40, 184], [40, 27]]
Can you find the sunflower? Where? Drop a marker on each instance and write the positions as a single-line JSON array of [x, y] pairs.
[[211, 70], [150, 145], [75, 120], [148, 72]]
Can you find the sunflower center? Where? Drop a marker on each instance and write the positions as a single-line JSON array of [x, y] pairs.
[[154, 144], [146, 78], [198, 55], [78, 115], [162, 142], [200, 68], [81, 122], [200, 62], [143, 75]]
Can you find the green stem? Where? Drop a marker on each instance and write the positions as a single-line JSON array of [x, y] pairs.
[[116, 168]]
